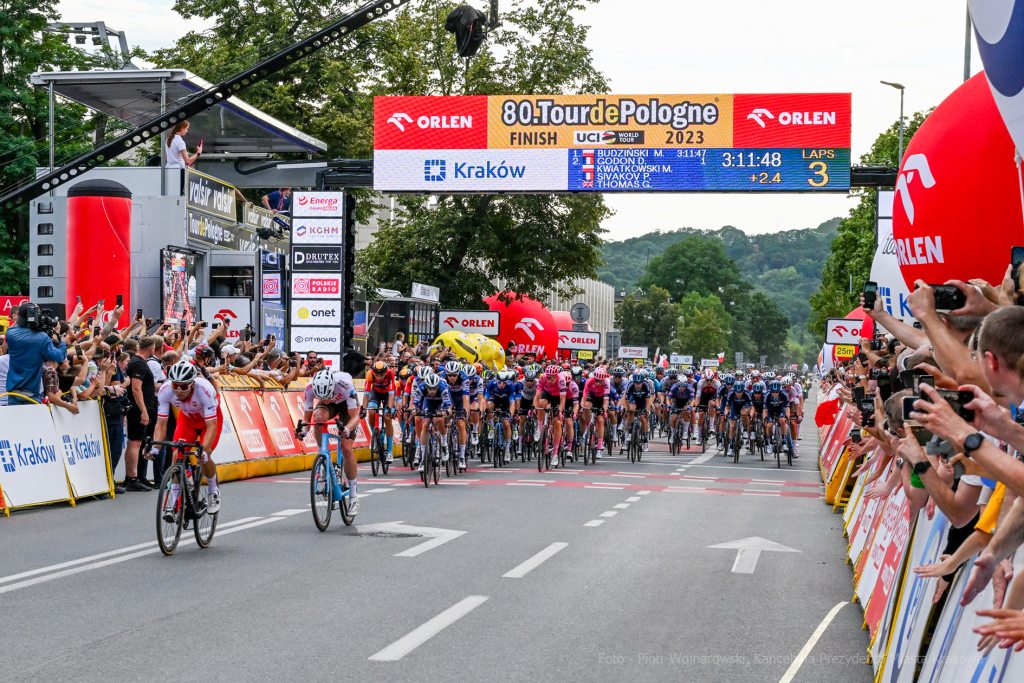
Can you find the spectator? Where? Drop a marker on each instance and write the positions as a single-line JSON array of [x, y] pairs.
[[399, 345], [141, 418], [115, 407], [52, 388], [177, 152], [29, 346], [278, 201], [159, 377]]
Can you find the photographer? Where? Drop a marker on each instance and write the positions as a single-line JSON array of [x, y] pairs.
[[30, 343]]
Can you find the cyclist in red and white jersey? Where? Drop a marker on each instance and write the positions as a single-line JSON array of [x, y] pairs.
[[199, 417], [334, 395], [596, 394]]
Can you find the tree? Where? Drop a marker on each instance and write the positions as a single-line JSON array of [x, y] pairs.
[[703, 327], [695, 264], [769, 328], [649, 320]]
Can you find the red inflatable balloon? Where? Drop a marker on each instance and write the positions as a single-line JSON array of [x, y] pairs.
[[529, 324], [957, 209]]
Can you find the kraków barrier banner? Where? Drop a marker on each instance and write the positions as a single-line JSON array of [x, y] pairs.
[[31, 457], [81, 437]]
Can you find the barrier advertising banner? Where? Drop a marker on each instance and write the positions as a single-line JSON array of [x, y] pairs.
[[31, 457], [85, 459], [483, 322], [279, 423], [295, 400], [609, 143], [228, 447], [248, 422], [884, 553]]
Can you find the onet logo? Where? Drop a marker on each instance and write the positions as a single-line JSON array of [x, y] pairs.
[[757, 114], [223, 314], [434, 170], [915, 163], [397, 119], [525, 325]]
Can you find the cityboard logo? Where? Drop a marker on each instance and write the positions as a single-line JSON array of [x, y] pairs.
[[305, 313], [20, 455], [795, 118], [299, 339], [81, 449], [434, 170]]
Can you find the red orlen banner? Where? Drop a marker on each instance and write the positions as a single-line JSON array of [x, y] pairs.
[[279, 423], [296, 401], [483, 322], [430, 122], [249, 425], [579, 341], [810, 120]]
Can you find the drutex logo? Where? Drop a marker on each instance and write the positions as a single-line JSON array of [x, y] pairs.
[[25, 455], [81, 449]]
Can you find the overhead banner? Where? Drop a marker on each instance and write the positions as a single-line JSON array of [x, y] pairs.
[[613, 143], [580, 341], [483, 322], [639, 352]]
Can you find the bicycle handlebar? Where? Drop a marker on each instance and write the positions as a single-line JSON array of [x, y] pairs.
[[149, 443]]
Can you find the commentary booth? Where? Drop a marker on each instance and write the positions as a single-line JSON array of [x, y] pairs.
[[196, 249]]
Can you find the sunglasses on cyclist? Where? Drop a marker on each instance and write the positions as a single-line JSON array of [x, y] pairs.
[[181, 386]]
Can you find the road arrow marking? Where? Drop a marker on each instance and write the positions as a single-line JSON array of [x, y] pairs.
[[749, 550], [437, 536]]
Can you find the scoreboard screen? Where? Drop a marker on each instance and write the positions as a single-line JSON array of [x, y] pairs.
[[613, 143]]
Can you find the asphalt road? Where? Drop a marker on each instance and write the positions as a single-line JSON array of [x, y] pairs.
[[623, 585]]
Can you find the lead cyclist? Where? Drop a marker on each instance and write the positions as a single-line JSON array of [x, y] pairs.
[[335, 396]]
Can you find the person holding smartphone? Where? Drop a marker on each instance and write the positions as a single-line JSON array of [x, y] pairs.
[[176, 151]]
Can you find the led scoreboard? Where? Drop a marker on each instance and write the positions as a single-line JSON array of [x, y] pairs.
[[613, 143]]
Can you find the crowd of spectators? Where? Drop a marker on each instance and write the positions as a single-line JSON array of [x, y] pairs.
[[945, 399]]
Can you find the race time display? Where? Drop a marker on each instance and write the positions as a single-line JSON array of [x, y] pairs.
[[613, 143]]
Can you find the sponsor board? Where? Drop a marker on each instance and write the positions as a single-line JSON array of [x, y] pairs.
[[843, 351], [679, 359], [430, 122], [316, 258], [279, 423], [426, 293], [273, 323], [236, 309], [316, 287], [272, 286], [319, 339], [248, 422], [586, 341], [483, 322], [313, 312], [85, 459], [585, 355], [636, 352], [318, 204], [256, 217], [209, 195], [446, 170], [709, 362], [31, 457], [843, 331], [318, 231]]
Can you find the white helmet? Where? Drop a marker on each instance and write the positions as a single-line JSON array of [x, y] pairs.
[[431, 381], [786, 381], [323, 384], [183, 372], [470, 370], [422, 371], [452, 367]]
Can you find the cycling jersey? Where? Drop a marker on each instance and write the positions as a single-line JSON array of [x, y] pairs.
[[643, 389], [435, 402], [383, 384], [495, 390], [572, 393], [527, 392], [476, 387], [680, 393], [554, 387], [708, 389], [596, 389], [757, 401], [776, 404], [723, 391], [201, 404], [344, 392], [457, 386]]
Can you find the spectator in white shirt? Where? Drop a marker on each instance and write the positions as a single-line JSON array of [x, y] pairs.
[[177, 152]]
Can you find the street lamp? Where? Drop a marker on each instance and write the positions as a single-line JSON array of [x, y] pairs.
[[899, 159]]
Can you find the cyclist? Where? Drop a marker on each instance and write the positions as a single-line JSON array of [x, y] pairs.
[[476, 388], [707, 394], [639, 392], [618, 382], [596, 391], [199, 417], [501, 397], [458, 387], [551, 392], [381, 396], [401, 403], [739, 400], [722, 421], [795, 394], [681, 395], [527, 394], [434, 399], [572, 410], [335, 397], [757, 393], [776, 410]]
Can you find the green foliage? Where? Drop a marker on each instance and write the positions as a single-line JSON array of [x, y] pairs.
[[703, 328], [648, 319], [853, 249], [694, 265]]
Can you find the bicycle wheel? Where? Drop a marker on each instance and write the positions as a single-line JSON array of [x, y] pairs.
[[777, 448], [449, 464], [437, 466], [343, 506], [384, 461], [737, 445], [375, 452], [320, 493], [207, 523], [428, 461], [170, 501]]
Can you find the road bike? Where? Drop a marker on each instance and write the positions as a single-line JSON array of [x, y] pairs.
[[529, 447], [378, 450], [497, 439], [327, 486], [676, 444], [451, 465], [408, 439], [758, 441], [637, 437], [431, 452], [182, 499]]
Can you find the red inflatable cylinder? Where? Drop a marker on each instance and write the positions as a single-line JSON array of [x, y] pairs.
[[99, 245]]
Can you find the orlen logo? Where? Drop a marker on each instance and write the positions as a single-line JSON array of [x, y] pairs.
[[223, 314], [442, 121], [452, 321], [795, 118], [526, 325]]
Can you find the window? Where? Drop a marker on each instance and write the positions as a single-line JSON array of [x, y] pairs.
[[45, 292], [45, 250], [45, 271], [45, 229], [44, 207]]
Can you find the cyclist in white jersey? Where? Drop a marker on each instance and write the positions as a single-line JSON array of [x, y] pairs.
[[332, 394]]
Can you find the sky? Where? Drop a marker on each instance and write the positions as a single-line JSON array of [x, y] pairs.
[[669, 46]]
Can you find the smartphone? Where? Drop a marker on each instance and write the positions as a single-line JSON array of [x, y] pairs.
[[89, 321], [964, 398], [79, 299], [879, 344], [120, 299], [920, 433], [1016, 259], [917, 325], [202, 323], [908, 406], [863, 358], [100, 304], [858, 394], [867, 412], [948, 297], [383, 346], [78, 351], [855, 435], [923, 379], [870, 291]]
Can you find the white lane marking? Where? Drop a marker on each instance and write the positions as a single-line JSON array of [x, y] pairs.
[[567, 471], [292, 481], [100, 556], [632, 499], [288, 513], [642, 493], [763, 492], [809, 645], [703, 458], [377, 491], [523, 483], [688, 477], [421, 634], [766, 481], [622, 506], [534, 562], [608, 513], [454, 483], [631, 476], [598, 483], [755, 469], [538, 481], [594, 522], [606, 488]]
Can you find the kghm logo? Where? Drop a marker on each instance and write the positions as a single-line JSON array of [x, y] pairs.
[[434, 170]]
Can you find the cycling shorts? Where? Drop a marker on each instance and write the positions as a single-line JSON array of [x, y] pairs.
[[641, 402], [502, 404], [552, 399], [706, 398], [735, 411], [680, 404], [526, 403], [775, 413], [192, 430], [594, 399], [335, 410], [377, 399]]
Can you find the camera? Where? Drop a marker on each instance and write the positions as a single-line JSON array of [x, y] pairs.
[[878, 373], [948, 297], [879, 344], [40, 319]]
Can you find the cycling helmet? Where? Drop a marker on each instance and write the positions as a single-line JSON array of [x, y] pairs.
[[600, 374], [577, 371], [672, 372], [758, 387], [183, 372], [755, 373], [470, 370], [618, 371], [422, 372], [567, 376], [786, 381], [551, 370], [404, 373], [565, 366], [529, 373], [323, 384], [659, 370], [739, 374], [729, 380], [639, 376], [775, 386], [688, 372], [380, 367], [431, 381], [453, 367], [203, 351]]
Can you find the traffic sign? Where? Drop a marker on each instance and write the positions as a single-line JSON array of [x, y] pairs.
[[580, 313], [580, 327]]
